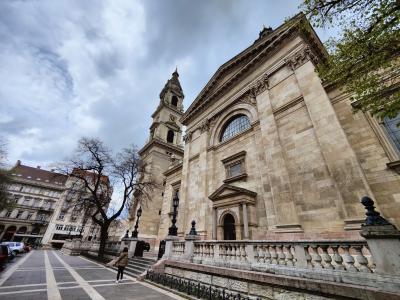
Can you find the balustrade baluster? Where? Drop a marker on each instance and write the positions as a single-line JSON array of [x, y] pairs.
[[243, 254], [281, 255], [337, 258], [256, 253], [348, 259], [326, 257], [361, 259], [267, 254], [260, 254], [308, 256], [288, 254], [316, 258], [274, 256]]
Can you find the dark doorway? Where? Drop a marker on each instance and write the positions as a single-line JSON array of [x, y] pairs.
[[229, 227]]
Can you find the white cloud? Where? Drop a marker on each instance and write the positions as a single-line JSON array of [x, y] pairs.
[[96, 67]]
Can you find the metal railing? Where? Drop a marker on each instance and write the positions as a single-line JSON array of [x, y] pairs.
[[195, 288]]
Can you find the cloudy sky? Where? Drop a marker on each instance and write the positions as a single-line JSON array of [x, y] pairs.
[[95, 68]]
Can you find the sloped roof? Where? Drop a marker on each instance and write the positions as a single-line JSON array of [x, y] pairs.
[[37, 174], [241, 63]]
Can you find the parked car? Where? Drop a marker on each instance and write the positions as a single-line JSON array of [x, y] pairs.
[[16, 247]]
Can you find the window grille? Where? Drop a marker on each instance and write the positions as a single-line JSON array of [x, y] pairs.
[[234, 126]]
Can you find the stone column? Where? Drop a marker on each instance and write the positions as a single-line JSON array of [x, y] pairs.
[[214, 231], [245, 221]]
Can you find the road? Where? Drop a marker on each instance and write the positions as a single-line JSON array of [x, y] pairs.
[[51, 275]]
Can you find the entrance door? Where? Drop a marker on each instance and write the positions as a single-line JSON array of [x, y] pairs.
[[229, 227]]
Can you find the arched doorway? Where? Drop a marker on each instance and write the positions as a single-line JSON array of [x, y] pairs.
[[229, 227], [8, 235]]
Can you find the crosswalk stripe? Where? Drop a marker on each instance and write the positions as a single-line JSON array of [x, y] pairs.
[[92, 293], [52, 290]]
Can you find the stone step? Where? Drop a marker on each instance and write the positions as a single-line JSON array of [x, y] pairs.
[[140, 263], [143, 268], [143, 259]]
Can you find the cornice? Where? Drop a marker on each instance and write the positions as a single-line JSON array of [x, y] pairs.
[[37, 183], [174, 169], [264, 47], [166, 105], [156, 142]]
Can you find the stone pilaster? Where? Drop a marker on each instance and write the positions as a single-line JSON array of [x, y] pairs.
[[277, 172], [339, 157]]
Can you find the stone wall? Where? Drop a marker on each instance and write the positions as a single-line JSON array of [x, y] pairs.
[[309, 161]]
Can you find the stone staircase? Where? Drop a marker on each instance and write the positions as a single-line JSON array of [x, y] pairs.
[[137, 265]]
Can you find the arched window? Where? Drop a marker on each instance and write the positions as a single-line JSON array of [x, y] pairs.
[[234, 126], [22, 230], [170, 136], [174, 101], [393, 130], [35, 231]]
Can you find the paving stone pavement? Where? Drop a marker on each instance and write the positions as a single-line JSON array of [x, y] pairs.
[[53, 276]]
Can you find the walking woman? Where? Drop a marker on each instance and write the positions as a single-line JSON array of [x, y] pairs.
[[121, 263]]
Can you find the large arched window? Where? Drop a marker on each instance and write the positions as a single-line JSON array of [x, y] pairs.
[[234, 126], [174, 101], [170, 136]]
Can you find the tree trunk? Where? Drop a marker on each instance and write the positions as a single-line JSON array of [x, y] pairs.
[[103, 239]]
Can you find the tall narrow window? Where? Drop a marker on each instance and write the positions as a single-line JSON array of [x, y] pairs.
[[170, 136], [393, 130], [174, 101]]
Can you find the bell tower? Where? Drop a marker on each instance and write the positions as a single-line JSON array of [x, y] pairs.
[[164, 143], [166, 126]]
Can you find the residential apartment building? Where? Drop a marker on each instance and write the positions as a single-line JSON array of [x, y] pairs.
[[36, 193], [45, 210], [72, 216]]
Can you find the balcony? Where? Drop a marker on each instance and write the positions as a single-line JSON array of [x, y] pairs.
[[39, 222], [46, 208]]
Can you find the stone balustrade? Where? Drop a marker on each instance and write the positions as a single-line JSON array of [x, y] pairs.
[[351, 256], [178, 248], [349, 262]]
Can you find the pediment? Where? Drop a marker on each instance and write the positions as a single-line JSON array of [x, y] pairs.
[[229, 191], [236, 68]]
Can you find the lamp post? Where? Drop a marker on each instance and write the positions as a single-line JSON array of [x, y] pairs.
[[138, 214], [173, 230]]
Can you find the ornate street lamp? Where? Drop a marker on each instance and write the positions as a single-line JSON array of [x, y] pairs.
[[173, 230], [138, 214]]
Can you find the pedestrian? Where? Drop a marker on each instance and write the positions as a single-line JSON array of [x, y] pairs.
[[121, 263]]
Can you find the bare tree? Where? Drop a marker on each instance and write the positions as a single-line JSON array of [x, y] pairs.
[[6, 202], [95, 173]]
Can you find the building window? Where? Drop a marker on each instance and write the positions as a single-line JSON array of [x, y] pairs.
[[19, 214], [61, 216], [174, 101], [234, 126], [59, 227], [8, 214], [170, 136], [235, 166], [235, 169], [393, 130], [29, 216], [73, 218]]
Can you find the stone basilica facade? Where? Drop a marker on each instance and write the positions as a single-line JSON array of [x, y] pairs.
[[270, 152]]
